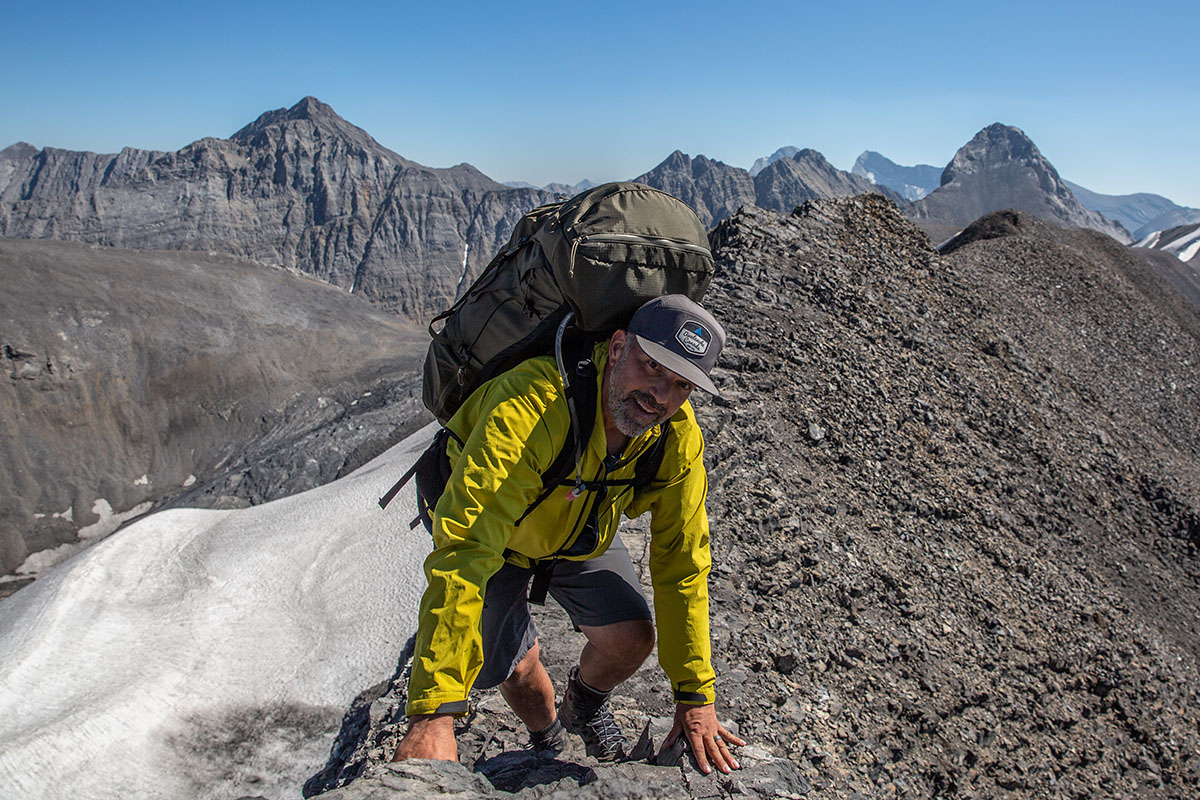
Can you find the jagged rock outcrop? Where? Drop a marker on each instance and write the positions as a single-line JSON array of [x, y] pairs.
[[299, 187], [714, 189], [788, 182], [911, 183], [132, 377], [1002, 168]]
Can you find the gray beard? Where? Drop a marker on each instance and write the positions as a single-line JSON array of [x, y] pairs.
[[624, 421]]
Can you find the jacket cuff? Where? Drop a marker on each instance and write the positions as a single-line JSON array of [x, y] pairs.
[[458, 708], [695, 698]]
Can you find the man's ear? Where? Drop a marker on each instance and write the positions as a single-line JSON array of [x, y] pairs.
[[617, 344]]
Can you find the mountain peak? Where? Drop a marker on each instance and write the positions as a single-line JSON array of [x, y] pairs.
[[309, 110], [19, 150], [1001, 168], [813, 156], [996, 144]]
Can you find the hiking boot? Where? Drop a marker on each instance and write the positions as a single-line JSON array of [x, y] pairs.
[[585, 712], [549, 742]]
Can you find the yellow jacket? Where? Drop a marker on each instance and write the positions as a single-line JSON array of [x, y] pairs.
[[512, 428]]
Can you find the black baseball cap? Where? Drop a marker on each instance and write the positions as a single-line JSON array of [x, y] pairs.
[[679, 334]]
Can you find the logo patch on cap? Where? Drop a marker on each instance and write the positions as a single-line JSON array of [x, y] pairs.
[[694, 337]]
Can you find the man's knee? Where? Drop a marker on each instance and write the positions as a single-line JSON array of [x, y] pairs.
[[632, 638], [526, 668]]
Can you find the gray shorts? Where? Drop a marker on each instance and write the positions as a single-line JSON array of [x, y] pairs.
[[599, 591]]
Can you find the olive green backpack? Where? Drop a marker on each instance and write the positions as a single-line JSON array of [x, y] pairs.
[[598, 256]]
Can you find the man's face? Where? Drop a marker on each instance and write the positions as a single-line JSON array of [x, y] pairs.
[[639, 392]]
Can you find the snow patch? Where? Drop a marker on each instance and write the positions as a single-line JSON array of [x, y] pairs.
[[191, 480], [109, 520], [128, 669], [1149, 240], [1190, 251], [43, 560], [1184, 243], [142, 481]]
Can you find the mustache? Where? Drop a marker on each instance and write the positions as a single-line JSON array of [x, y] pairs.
[[648, 401]]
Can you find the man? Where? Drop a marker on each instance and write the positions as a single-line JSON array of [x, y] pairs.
[[474, 624]]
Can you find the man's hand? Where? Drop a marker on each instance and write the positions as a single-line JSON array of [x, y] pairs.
[[708, 737], [429, 736]]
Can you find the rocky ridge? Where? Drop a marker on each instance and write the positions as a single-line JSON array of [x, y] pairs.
[[1001, 168], [714, 189], [956, 523]]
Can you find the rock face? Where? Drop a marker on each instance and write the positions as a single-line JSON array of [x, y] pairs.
[[1001, 168], [911, 183], [299, 187], [948, 494], [133, 377]]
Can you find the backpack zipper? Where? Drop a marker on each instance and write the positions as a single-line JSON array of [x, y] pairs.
[[633, 238]]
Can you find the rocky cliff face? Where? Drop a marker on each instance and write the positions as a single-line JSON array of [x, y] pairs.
[[132, 377], [300, 188], [955, 527], [1002, 168]]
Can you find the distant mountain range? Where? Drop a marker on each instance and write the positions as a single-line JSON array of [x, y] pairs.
[[1141, 213], [299, 187], [716, 190], [305, 189], [557, 188]]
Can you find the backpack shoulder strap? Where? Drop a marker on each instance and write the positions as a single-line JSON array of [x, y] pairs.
[[573, 353], [648, 463]]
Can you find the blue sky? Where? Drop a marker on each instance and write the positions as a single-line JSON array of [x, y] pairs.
[[530, 91]]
